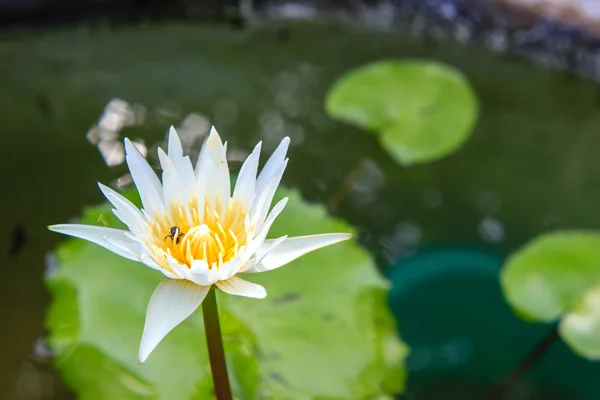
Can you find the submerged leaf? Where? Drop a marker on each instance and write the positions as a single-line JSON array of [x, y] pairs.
[[422, 111], [324, 331]]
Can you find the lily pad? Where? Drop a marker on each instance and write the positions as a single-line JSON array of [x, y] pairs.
[[421, 110], [557, 276], [324, 331], [581, 326]]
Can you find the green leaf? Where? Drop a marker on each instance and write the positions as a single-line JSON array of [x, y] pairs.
[[324, 331], [421, 110], [557, 275], [581, 326]]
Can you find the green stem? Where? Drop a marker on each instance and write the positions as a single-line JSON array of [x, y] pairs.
[[214, 341], [536, 353]]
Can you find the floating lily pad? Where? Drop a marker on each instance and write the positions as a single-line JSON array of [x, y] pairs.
[[324, 331], [421, 110], [555, 276]]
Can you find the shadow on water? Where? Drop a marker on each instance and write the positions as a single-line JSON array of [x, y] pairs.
[[529, 167]]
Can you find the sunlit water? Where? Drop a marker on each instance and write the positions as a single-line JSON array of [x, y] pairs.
[[529, 167]]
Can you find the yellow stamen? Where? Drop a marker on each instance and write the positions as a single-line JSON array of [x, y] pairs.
[[208, 237]]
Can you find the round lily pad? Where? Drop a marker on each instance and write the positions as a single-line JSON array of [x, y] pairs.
[[324, 331], [421, 110]]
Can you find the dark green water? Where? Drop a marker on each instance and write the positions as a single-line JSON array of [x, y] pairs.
[[529, 167]]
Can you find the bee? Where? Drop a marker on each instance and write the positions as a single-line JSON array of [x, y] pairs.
[[175, 234]]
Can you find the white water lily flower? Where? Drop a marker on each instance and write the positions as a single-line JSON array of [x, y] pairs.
[[193, 231]]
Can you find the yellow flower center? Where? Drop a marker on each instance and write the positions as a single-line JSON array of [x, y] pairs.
[[187, 237]]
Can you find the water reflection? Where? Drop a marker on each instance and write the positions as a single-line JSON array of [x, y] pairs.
[[491, 230], [116, 115], [192, 130]]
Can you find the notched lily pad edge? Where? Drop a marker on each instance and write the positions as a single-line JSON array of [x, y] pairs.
[[576, 305]]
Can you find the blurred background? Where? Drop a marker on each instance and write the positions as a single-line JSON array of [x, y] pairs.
[[76, 76]]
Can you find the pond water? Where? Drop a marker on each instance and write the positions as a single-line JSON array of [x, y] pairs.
[[529, 167]]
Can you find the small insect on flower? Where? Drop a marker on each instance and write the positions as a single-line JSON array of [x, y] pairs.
[[225, 234], [175, 234]]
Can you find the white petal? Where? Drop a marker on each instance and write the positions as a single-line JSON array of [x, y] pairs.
[[273, 165], [293, 248], [171, 186], [130, 249], [178, 178], [100, 235], [262, 251], [146, 181], [184, 167], [212, 175], [172, 301], [262, 202], [147, 260], [200, 274], [246, 181], [182, 271], [260, 237], [174, 147], [240, 287], [126, 211], [176, 191], [230, 268]]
